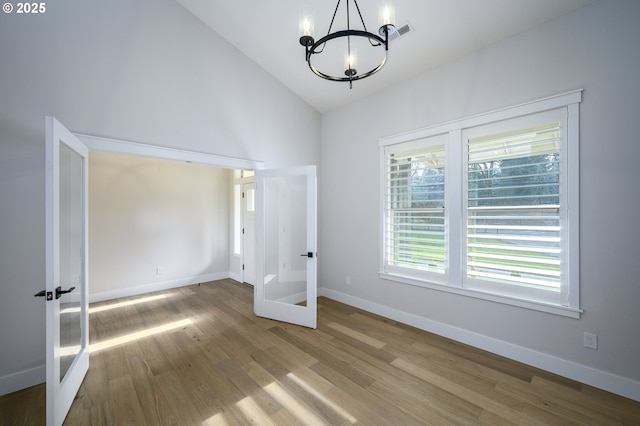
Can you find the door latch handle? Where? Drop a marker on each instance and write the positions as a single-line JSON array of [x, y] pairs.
[[307, 254], [43, 293], [60, 291]]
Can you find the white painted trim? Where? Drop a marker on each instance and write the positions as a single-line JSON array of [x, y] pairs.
[[573, 200], [157, 286], [97, 143], [544, 104], [478, 294], [22, 379], [597, 378]]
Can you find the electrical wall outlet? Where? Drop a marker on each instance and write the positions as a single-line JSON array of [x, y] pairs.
[[159, 271], [347, 281], [591, 340]]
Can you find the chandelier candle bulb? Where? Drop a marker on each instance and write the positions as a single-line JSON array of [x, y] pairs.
[[387, 13], [306, 27], [306, 22], [350, 63]]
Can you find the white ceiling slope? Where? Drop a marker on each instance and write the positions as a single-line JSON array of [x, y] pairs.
[[444, 30]]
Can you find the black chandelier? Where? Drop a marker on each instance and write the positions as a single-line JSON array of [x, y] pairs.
[[375, 41]]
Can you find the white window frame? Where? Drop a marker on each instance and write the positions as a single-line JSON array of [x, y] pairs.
[[455, 211], [432, 141]]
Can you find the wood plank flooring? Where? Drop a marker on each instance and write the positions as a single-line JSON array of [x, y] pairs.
[[197, 355]]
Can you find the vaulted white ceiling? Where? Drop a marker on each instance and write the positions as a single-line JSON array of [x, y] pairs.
[[443, 30]]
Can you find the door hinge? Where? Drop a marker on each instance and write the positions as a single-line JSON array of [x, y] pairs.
[[243, 230], [243, 267]]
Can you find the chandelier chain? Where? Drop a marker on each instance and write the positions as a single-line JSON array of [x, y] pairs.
[[360, 14], [335, 12]]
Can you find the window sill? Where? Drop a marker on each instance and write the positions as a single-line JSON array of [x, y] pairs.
[[526, 304]]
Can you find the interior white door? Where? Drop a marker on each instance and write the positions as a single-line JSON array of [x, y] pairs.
[[249, 233], [66, 291], [286, 248]]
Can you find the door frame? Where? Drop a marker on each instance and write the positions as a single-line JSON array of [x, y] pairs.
[[118, 146], [98, 143]]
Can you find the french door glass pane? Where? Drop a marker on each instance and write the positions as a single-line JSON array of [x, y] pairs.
[[285, 240], [71, 237]]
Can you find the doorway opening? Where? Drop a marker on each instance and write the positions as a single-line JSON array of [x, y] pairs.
[[241, 248]]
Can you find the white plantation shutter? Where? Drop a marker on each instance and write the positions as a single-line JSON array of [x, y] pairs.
[[488, 206], [414, 197], [513, 202]]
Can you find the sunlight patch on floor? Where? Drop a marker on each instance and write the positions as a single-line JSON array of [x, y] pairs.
[[127, 303], [342, 412], [252, 411], [216, 420], [115, 305], [106, 344], [299, 411]]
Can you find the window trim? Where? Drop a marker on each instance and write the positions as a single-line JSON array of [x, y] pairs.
[[454, 204], [520, 123]]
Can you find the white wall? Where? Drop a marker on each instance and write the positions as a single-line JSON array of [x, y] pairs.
[[138, 70], [595, 48], [149, 213]]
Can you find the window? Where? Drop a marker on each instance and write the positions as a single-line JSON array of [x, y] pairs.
[[513, 207], [481, 206], [250, 195], [414, 233], [237, 220]]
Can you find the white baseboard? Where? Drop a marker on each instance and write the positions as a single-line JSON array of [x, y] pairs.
[[22, 379], [158, 286], [581, 373]]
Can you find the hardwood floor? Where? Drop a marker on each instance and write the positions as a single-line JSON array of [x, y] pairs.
[[24, 407], [197, 355]]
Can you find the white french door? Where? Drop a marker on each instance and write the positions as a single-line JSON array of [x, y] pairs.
[[286, 248], [66, 290]]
